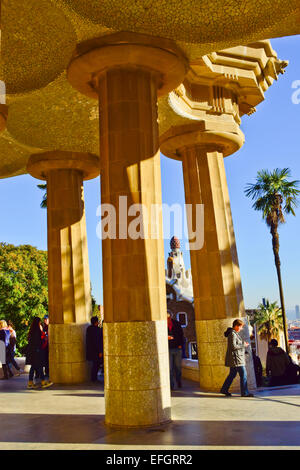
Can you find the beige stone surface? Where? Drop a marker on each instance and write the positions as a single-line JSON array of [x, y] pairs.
[[68, 269], [136, 366], [127, 72], [40, 165], [67, 353], [184, 20], [217, 91], [216, 280], [72, 417], [34, 60], [214, 111], [127, 50], [190, 370]]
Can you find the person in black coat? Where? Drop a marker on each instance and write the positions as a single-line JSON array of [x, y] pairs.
[[35, 354], [292, 373], [176, 342], [94, 347], [257, 369], [45, 326], [5, 342]]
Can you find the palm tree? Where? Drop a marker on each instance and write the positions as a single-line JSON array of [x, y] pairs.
[[275, 197], [268, 320], [44, 200]]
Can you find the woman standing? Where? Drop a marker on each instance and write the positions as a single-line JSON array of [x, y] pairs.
[[12, 348], [35, 354], [4, 341]]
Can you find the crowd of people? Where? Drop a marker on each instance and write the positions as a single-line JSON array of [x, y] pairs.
[[280, 368], [8, 339], [37, 352]]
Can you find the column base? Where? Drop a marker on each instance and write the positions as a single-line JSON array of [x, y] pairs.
[[136, 367], [212, 346], [67, 360]]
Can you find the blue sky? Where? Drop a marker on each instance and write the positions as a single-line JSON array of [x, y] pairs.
[[272, 140]]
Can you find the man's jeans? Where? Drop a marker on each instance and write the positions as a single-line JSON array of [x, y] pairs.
[[96, 364], [175, 356], [11, 360], [241, 370], [39, 374]]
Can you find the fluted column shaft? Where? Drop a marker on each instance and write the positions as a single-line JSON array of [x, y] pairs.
[[130, 167], [69, 289], [127, 71], [69, 280], [137, 390], [218, 297], [217, 283]]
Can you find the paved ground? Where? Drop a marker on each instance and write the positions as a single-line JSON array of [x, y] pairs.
[[72, 417]]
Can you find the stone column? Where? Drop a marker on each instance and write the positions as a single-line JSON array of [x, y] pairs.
[[68, 267], [218, 297], [126, 71]]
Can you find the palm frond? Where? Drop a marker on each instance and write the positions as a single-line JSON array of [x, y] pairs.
[[43, 187], [273, 194]]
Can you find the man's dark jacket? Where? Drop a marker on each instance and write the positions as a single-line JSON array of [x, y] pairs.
[[94, 342], [277, 361], [176, 332]]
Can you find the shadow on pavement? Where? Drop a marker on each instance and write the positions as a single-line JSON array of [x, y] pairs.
[[88, 429]]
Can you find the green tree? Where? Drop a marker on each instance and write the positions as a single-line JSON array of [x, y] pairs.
[[268, 320], [95, 307], [23, 287], [275, 196]]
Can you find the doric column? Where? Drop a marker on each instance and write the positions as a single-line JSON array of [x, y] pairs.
[[68, 267], [218, 297], [126, 72], [204, 116]]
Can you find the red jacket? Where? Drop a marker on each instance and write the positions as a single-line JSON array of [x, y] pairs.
[[44, 339]]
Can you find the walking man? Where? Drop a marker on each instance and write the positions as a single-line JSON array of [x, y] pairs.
[[235, 359], [46, 349], [94, 347], [175, 337]]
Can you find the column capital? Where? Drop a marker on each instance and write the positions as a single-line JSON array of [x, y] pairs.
[[211, 136], [219, 88], [158, 55], [40, 164]]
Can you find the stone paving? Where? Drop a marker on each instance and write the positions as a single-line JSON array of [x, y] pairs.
[[72, 417]]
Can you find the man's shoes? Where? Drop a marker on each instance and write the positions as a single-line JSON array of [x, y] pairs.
[[249, 395], [32, 385], [227, 394], [46, 383]]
